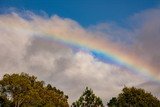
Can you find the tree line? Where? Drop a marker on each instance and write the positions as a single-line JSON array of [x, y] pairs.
[[23, 90]]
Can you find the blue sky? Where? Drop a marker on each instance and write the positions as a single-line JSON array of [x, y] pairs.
[[85, 12]]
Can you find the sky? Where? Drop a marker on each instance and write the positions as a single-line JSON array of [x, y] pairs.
[[104, 45], [85, 12]]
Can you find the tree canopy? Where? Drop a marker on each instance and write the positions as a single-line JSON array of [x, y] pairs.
[[133, 97], [22, 90], [88, 99]]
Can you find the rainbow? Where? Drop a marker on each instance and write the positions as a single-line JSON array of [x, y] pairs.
[[107, 49], [97, 45], [100, 48]]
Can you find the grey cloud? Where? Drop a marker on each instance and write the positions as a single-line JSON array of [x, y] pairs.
[[148, 37], [151, 86], [46, 56]]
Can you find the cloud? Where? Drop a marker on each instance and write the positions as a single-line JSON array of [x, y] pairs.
[[151, 86], [101, 77], [141, 37], [25, 48], [147, 36], [12, 49]]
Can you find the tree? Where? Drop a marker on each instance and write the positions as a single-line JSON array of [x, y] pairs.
[[113, 102], [4, 102], [88, 99], [133, 97], [22, 90]]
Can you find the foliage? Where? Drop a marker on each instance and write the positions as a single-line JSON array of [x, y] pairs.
[[88, 99], [133, 97], [4, 102], [22, 90]]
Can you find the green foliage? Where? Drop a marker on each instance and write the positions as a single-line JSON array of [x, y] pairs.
[[113, 102], [22, 90], [133, 97], [88, 99], [27, 91], [4, 102]]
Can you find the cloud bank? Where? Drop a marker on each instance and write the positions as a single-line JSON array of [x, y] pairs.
[[27, 50]]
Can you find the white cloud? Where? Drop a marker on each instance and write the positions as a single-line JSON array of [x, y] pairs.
[[105, 79]]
